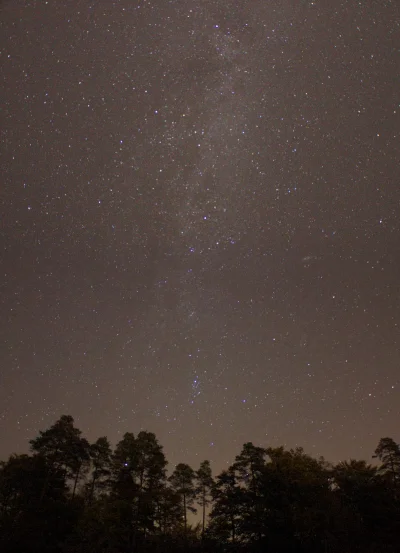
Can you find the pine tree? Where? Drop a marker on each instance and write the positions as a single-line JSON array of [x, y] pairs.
[[203, 489], [64, 449], [388, 452], [182, 481], [100, 455]]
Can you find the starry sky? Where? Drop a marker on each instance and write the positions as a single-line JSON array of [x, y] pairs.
[[200, 223]]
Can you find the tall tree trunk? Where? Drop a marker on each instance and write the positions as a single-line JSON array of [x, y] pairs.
[[76, 481], [204, 514], [91, 493], [393, 470], [184, 514], [45, 485]]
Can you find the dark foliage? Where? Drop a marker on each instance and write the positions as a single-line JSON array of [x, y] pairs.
[[70, 496]]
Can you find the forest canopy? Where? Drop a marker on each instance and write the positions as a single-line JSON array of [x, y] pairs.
[[72, 496]]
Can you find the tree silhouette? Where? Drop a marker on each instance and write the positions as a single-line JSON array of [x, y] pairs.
[[64, 450], [204, 484], [269, 500], [366, 507], [182, 481], [168, 515], [388, 452], [100, 454], [29, 521], [227, 507]]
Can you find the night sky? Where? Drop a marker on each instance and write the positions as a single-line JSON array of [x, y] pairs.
[[200, 223]]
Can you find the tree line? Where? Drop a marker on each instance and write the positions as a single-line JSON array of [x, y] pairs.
[[72, 496]]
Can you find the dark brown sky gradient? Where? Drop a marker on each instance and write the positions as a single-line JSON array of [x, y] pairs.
[[200, 223]]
